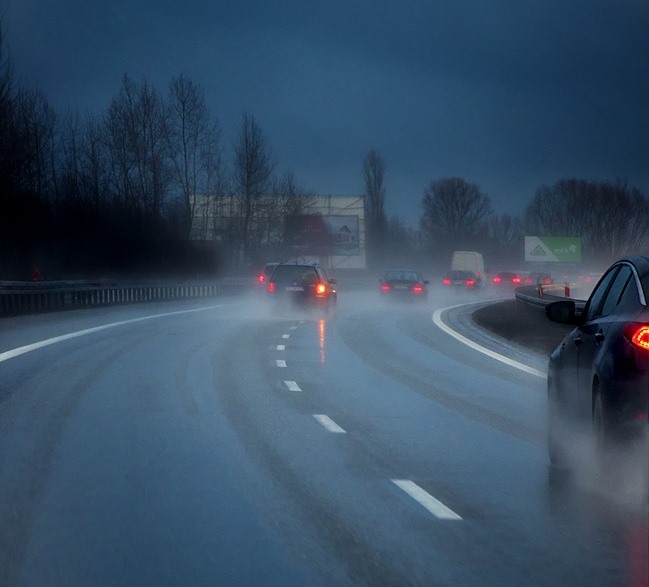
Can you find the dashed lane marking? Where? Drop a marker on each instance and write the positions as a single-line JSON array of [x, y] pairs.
[[422, 497], [280, 347], [329, 424], [292, 386], [280, 363]]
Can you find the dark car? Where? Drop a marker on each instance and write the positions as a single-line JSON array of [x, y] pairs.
[[466, 279], [598, 377], [264, 275], [508, 279], [404, 284], [305, 285]]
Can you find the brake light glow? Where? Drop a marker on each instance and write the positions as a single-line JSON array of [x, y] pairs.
[[497, 279], [638, 334], [385, 287], [470, 282], [446, 281], [516, 280], [261, 278], [271, 287], [418, 288], [320, 289]]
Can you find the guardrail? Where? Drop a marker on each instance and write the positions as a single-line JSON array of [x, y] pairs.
[[26, 297], [541, 295]]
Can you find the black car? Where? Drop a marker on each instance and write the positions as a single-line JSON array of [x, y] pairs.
[[305, 285], [404, 284], [598, 377], [461, 278]]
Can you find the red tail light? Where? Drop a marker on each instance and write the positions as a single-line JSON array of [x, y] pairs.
[[470, 282], [418, 288], [261, 278], [320, 289], [638, 335], [516, 280], [528, 280], [497, 279], [547, 281], [271, 287], [385, 287], [446, 281]]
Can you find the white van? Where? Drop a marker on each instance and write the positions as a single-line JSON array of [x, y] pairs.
[[469, 261]]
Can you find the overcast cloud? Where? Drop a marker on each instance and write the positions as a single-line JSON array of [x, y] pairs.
[[509, 94]]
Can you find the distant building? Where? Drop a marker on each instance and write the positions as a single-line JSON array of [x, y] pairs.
[[331, 228]]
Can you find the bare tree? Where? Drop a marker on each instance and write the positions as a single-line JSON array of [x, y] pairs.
[[454, 211], [252, 172], [194, 141], [611, 219], [138, 148], [375, 220]]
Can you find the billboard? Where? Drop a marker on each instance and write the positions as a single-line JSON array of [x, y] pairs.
[[553, 249], [324, 235]]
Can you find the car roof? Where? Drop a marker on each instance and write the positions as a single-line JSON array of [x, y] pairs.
[[640, 262]]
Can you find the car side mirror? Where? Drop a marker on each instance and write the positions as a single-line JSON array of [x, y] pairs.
[[562, 311]]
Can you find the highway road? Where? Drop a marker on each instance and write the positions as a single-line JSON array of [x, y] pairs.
[[216, 443]]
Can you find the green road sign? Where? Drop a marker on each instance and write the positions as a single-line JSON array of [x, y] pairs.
[[558, 249]]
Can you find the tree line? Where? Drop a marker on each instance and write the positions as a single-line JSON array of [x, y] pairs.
[[611, 218], [115, 193]]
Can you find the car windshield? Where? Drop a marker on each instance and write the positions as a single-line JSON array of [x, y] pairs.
[[402, 276], [284, 273]]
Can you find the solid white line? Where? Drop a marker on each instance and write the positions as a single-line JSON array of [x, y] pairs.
[[286, 336], [280, 363], [434, 506], [292, 386], [281, 347], [5, 356], [329, 424], [437, 319]]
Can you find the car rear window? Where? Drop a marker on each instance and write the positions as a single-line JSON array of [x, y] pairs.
[[462, 275], [294, 273]]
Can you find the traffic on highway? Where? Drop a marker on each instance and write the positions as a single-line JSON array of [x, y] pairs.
[[220, 442]]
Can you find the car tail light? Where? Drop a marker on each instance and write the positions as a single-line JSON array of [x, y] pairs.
[[497, 279], [261, 278], [470, 282], [271, 287], [446, 281], [638, 335], [385, 287], [320, 289], [528, 280], [418, 288], [516, 280], [547, 281]]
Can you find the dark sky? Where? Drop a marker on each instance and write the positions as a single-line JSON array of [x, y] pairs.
[[508, 94]]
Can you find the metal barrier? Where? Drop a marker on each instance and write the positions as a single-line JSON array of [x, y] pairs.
[[28, 298], [541, 295]]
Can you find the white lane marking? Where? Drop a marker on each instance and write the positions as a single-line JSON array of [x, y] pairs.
[[280, 363], [422, 497], [281, 347], [286, 336], [11, 354], [329, 424], [437, 319], [292, 386]]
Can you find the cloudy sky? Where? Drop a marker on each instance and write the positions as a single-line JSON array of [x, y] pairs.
[[508, 94]]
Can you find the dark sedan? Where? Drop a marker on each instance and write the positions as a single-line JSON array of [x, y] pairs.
[[304, 285], [598, 377], [404, 284]]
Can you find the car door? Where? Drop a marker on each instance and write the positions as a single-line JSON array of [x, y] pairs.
[[594, 333]]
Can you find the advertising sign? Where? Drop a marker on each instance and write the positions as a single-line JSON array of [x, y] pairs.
[[315, 234], [557, 249]]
